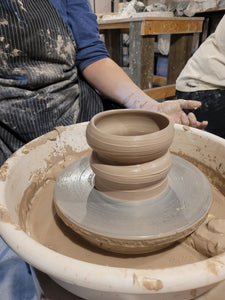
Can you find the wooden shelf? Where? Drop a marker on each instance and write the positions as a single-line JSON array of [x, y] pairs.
[[162, 92]]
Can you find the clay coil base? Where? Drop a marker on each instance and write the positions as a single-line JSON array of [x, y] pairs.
[[133, 226]]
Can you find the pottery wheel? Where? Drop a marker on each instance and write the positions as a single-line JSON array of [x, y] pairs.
[[136, 226]]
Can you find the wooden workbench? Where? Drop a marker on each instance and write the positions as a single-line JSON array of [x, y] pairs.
[[142, 32]]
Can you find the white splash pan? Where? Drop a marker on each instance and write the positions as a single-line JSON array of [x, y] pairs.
[[92, 281]]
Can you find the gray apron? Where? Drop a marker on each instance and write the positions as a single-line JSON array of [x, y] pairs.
[[40, 87]]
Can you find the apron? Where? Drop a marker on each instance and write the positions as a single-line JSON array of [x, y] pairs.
[[40, 87]]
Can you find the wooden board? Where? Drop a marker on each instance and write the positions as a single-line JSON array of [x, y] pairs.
[[162, 92], [168, 26]]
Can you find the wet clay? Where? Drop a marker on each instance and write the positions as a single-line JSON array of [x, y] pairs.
[[131, 182], [5, 216], [130, 158], [209, 238], [41, 222], [130, 136]]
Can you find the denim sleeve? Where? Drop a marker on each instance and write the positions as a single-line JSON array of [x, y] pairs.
[[83, 24]]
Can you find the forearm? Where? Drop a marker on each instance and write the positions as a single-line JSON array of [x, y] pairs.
[[110, 80]]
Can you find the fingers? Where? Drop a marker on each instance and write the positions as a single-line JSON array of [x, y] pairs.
[[184, 119], [189, 104], [202, 124], [174, 109], [193, 122]]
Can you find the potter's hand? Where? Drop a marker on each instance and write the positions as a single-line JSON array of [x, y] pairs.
[[174, 109], [110, 80]]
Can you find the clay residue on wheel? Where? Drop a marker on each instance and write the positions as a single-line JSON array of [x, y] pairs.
[[38, 215]]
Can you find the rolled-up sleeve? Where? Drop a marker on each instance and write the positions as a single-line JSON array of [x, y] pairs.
[[83, 24]]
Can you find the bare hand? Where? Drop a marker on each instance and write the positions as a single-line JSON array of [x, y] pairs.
[[174, 109]]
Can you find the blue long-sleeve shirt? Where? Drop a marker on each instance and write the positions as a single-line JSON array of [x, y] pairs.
[[82, 22]]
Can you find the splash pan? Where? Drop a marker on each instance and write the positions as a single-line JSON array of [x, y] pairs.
[[95, 276]]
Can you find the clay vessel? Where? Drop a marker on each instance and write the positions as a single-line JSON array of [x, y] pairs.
[[130, 136], [130, 155]]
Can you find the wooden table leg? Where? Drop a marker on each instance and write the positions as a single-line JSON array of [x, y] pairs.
[[180, 51], [141, 56], [112, 43]]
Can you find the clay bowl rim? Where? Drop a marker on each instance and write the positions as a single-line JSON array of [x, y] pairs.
[[127, 138]]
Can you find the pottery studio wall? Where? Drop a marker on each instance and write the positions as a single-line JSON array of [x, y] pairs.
[[104, 6]]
